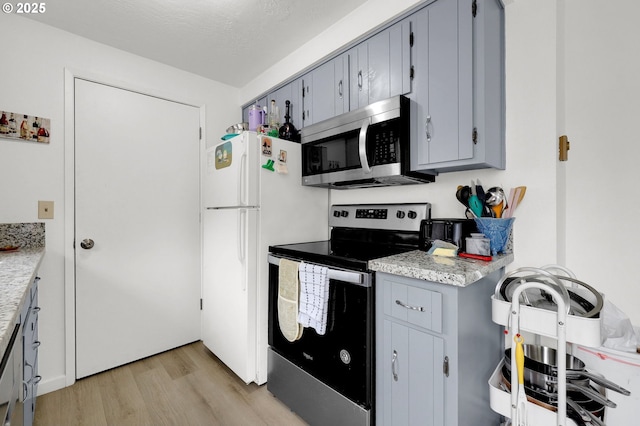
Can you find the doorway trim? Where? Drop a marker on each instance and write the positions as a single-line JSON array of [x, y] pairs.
[[70, 75]]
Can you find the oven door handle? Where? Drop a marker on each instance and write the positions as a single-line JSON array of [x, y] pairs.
[[362, 146], [351, 277]]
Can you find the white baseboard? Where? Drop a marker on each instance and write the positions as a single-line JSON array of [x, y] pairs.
[[52, 384]]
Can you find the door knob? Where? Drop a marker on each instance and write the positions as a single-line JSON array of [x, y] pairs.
[[87, 243]]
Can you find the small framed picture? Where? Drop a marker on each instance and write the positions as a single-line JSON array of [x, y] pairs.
[[24, 127]]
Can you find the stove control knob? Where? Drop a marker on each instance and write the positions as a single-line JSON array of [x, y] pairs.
[[336, 213], [345, 356], [412, 214], [344, 213], [400, 214]]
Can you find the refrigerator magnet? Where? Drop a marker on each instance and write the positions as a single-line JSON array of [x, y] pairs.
[[266, 147], [281, 168], [223, 157], [282, 157]]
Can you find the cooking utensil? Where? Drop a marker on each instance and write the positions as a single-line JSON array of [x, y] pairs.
[[543, 359], [515, 198], [462, 194], [580, 408], [238, 128], [495, 199], [474, 203], [549, 383], [521, 410], [486, 212], [578, 304]]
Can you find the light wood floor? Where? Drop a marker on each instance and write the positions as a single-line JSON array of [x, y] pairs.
[[184, 386]]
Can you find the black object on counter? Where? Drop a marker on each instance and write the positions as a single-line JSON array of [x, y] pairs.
[[454, 231], [288, 131]]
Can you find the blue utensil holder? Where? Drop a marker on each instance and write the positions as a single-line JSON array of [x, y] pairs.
[[497, 230]]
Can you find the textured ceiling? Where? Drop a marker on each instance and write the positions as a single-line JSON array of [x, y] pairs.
[[230, 41]]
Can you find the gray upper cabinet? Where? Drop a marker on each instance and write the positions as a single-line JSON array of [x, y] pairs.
[[359, 76], [389, 63], [448, 58], [380, 66], [458, 56], [326, 96], [326, 90]]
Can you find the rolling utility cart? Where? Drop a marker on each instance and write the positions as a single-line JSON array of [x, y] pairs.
[[507, 396]]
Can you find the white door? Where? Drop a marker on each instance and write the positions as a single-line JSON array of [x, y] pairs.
[[602, 69], [137, 199], [229, 306]]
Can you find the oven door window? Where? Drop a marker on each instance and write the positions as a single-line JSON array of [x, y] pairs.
[[332, 154], [342, 357]]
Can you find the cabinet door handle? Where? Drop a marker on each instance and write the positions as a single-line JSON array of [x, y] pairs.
[[340, 89], [413, 308], [427, 127], [360, 79], [394, 361]]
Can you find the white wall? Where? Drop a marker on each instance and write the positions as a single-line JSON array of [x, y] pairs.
[[32, 82]]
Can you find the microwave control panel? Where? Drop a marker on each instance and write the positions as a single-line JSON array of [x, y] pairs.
[[385, 147]]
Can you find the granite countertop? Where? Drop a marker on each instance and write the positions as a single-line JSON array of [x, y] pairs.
[[455, 271], [17, 271]]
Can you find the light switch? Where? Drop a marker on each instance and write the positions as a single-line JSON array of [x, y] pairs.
[[45, 209]]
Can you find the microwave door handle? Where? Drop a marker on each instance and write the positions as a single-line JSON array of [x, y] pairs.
[[362, 146]]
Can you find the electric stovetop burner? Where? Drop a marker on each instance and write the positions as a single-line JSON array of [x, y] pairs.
[[360, 233]]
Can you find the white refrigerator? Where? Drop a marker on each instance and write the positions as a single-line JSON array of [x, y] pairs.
[[252, 198]]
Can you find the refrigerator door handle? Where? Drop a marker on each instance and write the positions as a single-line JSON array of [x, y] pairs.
[[242, 182], [242, 226]]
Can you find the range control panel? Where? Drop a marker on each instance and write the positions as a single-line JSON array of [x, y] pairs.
[[401, 217]]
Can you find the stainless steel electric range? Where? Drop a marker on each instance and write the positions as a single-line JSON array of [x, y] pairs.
[[329, 378]]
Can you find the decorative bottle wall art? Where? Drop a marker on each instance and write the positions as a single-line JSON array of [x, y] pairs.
[[24, 127]]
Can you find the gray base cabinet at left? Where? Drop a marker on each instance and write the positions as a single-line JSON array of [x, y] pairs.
[[436, 347], [30, 344], [19, 367]]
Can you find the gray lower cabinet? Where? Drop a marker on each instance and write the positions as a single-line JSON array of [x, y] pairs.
[[458, 86], [30, 343], [436, 347]]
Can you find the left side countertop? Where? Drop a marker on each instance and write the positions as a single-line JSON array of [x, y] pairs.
[[17, 271]]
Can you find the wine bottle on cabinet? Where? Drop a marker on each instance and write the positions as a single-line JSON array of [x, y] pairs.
[[288, 131]]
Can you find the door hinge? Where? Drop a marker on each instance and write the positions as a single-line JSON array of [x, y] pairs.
[[564, 147], [445, 366], [200, 303], [412, 72], [411, 39], [474, 8], [474, 135], [200, 133]]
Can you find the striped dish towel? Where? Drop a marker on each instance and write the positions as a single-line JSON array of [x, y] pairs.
[[314, 297]]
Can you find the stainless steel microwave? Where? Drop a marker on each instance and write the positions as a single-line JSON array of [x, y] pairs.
[[361, 148]]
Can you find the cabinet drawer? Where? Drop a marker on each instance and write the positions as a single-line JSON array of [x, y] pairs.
[[414, 305]]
